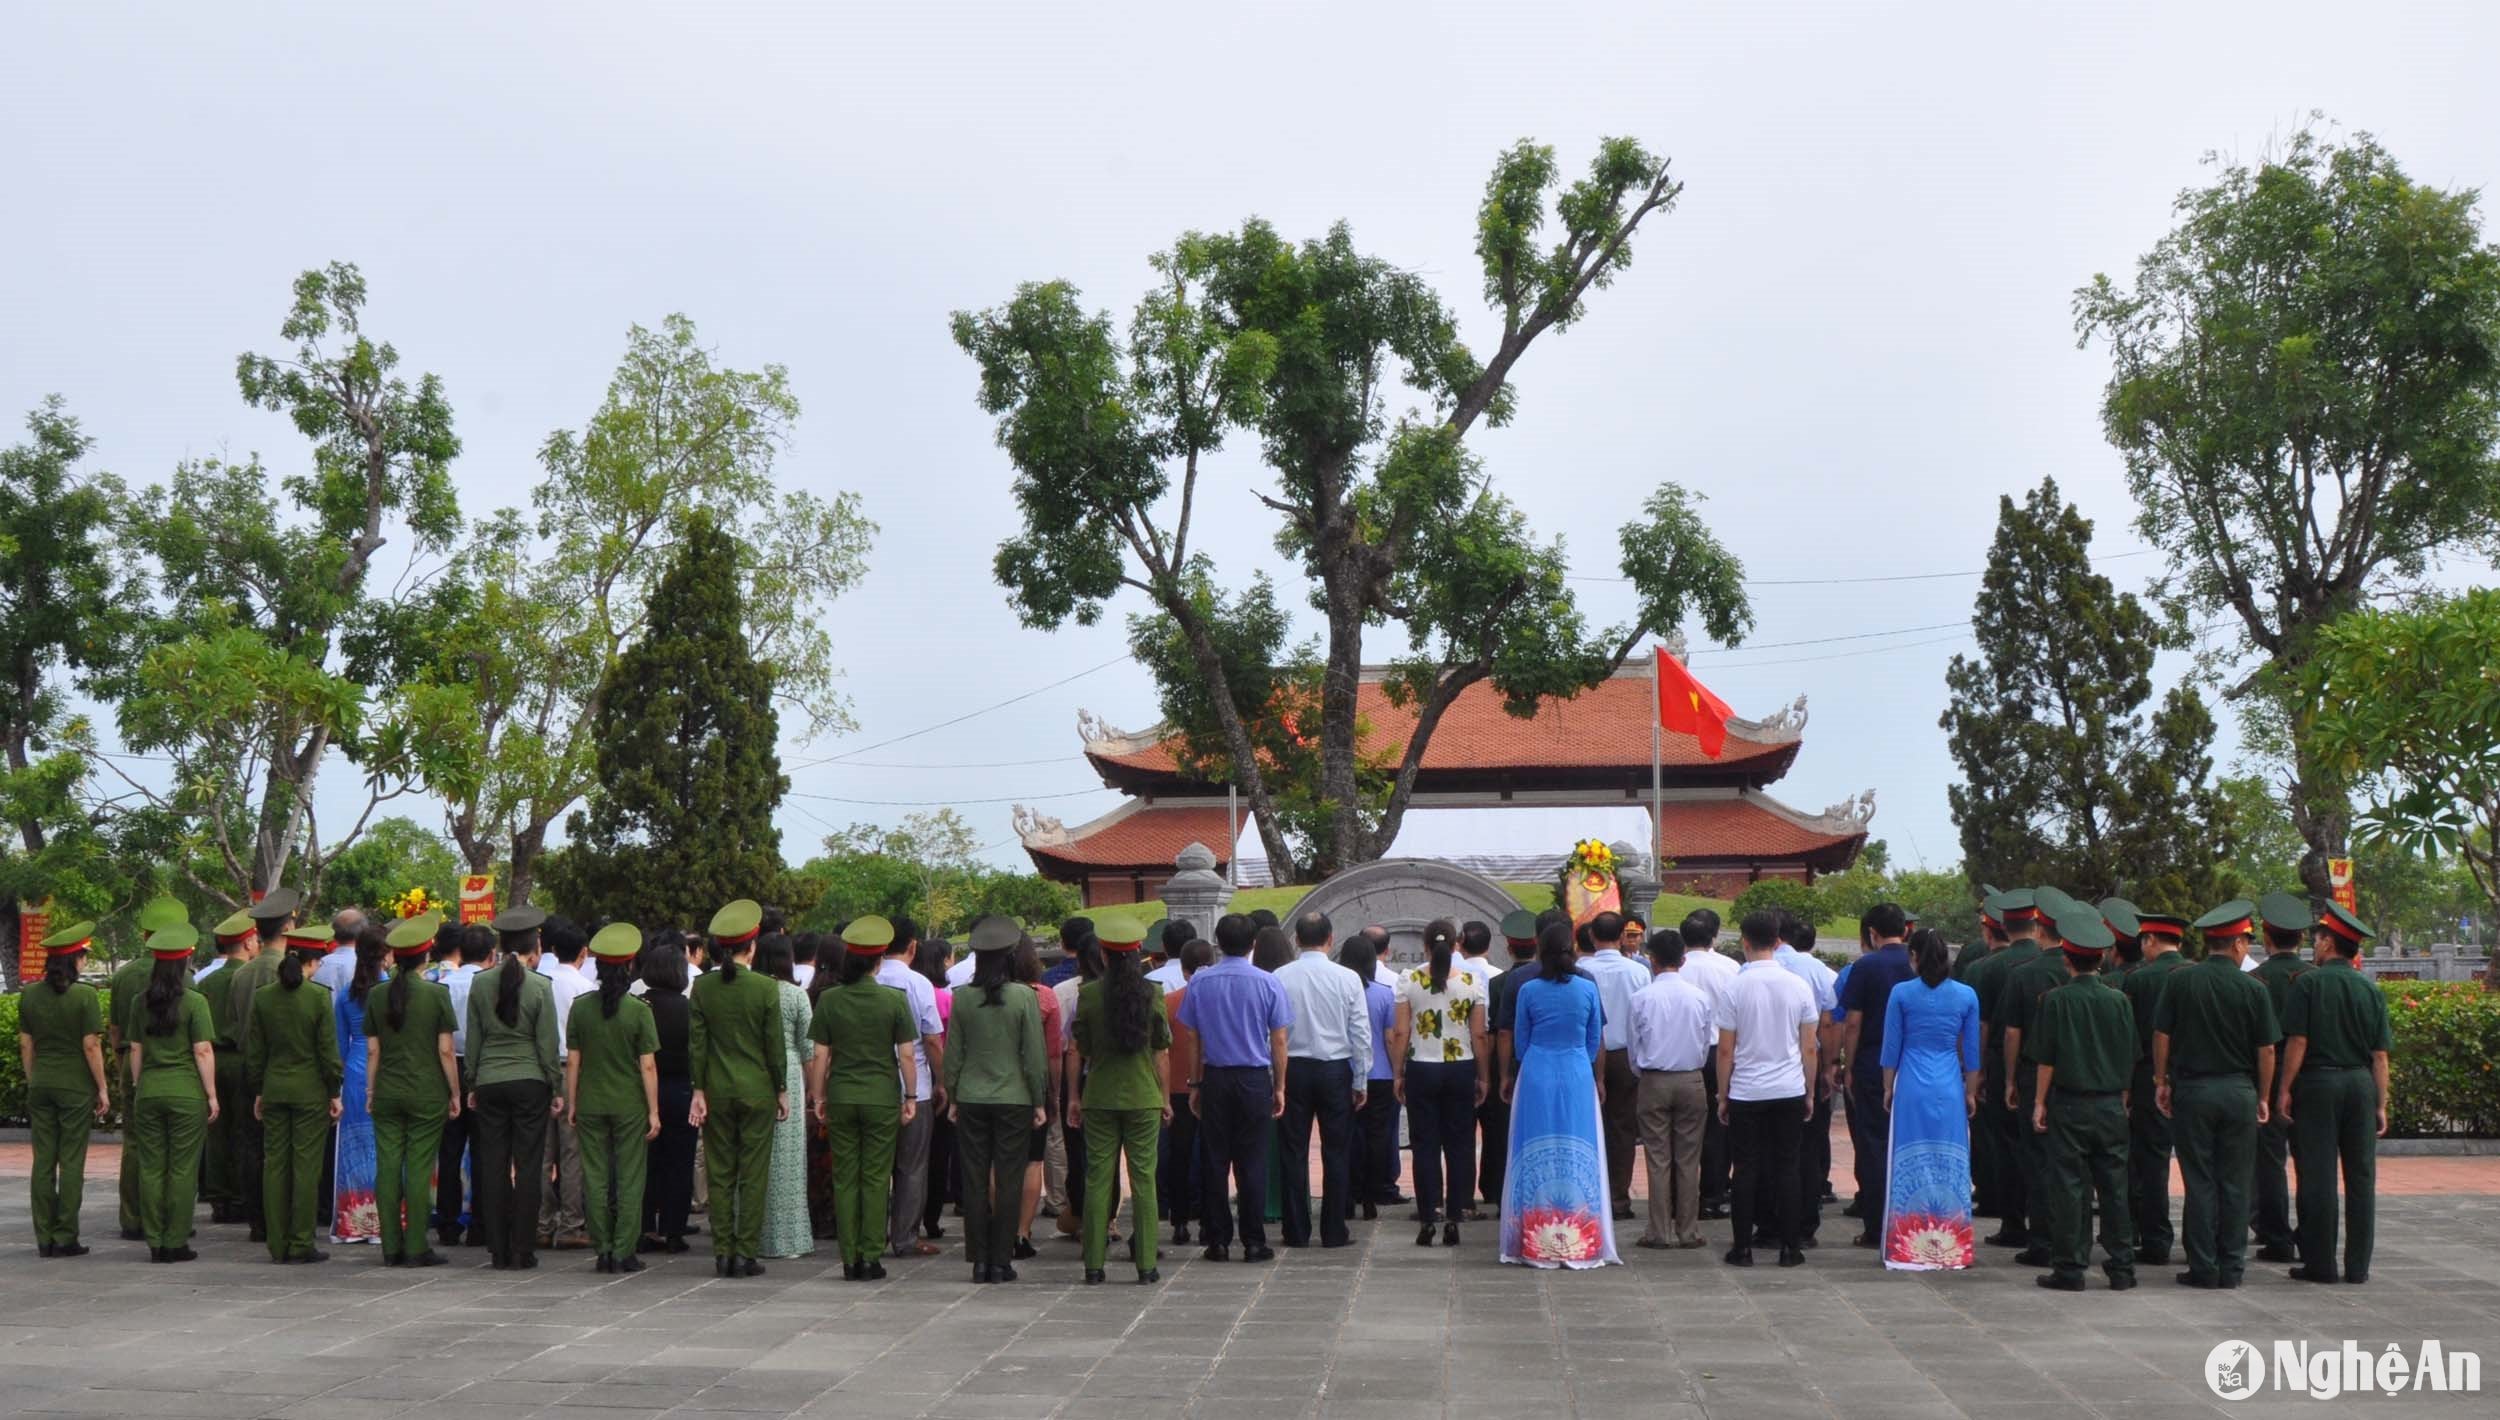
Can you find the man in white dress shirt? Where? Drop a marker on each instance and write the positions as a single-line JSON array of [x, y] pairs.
[[1814, 1155], [1619, 978], [560, 1218], [1712, 970], [1674, 1027], [1166, 939], [1475, 950], [1768, 1032], [1328, 1053]]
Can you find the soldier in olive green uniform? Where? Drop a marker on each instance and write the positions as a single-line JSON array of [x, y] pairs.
[[1122, 1032], [291, 1060], [173, 1093], [1992, 1128], [2335, 1044], [741, 1086], [412, 1085], [612, 1094], [2286, 920], [997, 1078], [2018, 1003], [271, 916], [516, 1083], [2083, 1038], [2213, 1068], [128, 983], [2126, 927], [60, 1042], [1991, 934], [863, 1033], [2148, 1127], [236, 943]]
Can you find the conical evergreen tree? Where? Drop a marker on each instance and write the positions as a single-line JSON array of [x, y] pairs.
[[2064, 781], [688, 775]]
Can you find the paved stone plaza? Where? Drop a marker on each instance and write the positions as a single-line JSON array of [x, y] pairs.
[[1378, 1329]]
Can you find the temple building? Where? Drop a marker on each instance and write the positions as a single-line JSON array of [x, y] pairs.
[[1721, 831]]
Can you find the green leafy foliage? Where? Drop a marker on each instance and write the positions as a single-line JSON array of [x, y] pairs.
[[2305, 384], [2063, 779], [392, 856], [2441, 1076], [688, 777], [2410, 898], [927, 868], [1804, 899]]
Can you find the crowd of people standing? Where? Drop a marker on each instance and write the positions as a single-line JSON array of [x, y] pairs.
[[526, 1084]]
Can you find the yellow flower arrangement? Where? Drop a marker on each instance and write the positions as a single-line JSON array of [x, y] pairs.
[[1591, 858], [415, 902]]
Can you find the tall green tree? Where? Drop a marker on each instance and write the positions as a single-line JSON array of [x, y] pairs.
[[395, 854], [1305, 347], [66, 617], [2063, 778], [2305, 383], [688, 775], [251, 684]]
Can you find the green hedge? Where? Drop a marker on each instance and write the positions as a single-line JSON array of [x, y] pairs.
[[13, 1073], [2441, 1075]]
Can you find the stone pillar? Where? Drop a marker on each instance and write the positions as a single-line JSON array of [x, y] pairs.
[[1197, 894], [1638, 879]]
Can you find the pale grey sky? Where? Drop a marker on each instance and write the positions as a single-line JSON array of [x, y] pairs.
[[1853, 335]]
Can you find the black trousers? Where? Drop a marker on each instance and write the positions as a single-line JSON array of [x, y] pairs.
[[1714, 1159], [668, 1197], [1232, 1136], [1376, 1145], [511, 1138], [1870, 1141], [1441, 1100], [992, 1140], [1621, 1121], [1320, 1091], [1177, 1175], [448, 1184], [1764, 1138], [1493, 1160], [1814, 1167], [945, 1174]]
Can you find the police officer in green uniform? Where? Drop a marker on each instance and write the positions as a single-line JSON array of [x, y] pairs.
[[2018, 1003], [2335, 1044], [1991, 934], [236, 944], [1122, 1033], [863, 1033], [2148, 1127], [60, 1044], [291, 1061], [2286, 920], [612, 1096], [173, 1093], [997, 1076], [1995, 1123], [1518, 930], [271, 916], [515, 1078], [2083, 1038], [2213, 1068], [741, 1087], [129, 982], [412, 1085], [2126, 928]]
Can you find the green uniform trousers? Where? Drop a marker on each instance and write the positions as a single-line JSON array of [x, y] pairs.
[[218, 1180], [2030, 1208], [2087, 1147], [2270, 1194], [293, 1139], [991, 1142], [1992, 1148], [859, 1139], [60, 1121], [250, 1147], [134, 1222], [405, 1141], [737, 1161], [2148, 1168], [2215, 1119], [165, 1138], [615, 1161], [1109, 1134], [2335, 1122]]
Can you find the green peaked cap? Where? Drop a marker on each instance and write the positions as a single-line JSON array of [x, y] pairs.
[[236, 925], [2343, 924], [276, 905], [616, 941], [519, 919], [2053, 902], [2122, 917], [173, 941], [995, 934], [2237, 911], [2080, 926], [2285, 912], [162, 912], [1519, 926], [869, 931], [68, 936], [1118, 929], [739, 919], [415, 932]]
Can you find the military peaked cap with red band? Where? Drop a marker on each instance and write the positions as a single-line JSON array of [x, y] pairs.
[[2236, 918], [739, 922], [2343, 924]]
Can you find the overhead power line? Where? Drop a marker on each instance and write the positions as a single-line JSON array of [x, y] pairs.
[[1862, 581], [967, 715]]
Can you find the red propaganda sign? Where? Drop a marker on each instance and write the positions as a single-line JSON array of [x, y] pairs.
[[2339, 884], [477, 898], [34, 923]]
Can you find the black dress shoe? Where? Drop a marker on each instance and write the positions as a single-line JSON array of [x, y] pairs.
[[1792, 1257], [1424, 1238], [2056, 1283], [429, 1258], [317, 1255], [875, 1272], [43, 1249], [674, 1246], [156, 1254], [2032, 1257], [259, 1233], [1371, 1212], [1449, 1234], [1148, 1276], [1738, 1257], [71, 1249], [721, 1263], [604, 1266], [1258, 1254], [1025, 1251], [1866, 1240], [1093, 1277], [2278, 1254], [630, 1263], [181, 1254], [1853, 1210], [1217, 1252], [982, 1275], [1180, 1235], [2152, 1257], [133, 1235], [1003, 1272], [2123, 1282], [2356, 1278], [2004, 1238], [850, 1271], [1716, 1212], [1392, 1199], [2190, 1279], [2307, 1274], [749, 1267], [450, 1236], [474, 1237]]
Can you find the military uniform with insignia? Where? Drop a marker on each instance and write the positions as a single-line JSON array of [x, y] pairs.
[[172, 1096], [413, 1088], [2335, 1049], [291, 1062], [862, 1033], [219, 1182], [270, 916], [2213, 1063], [740, 1086], [1993, 1128], [2286, 920], [2148, 1127], [612, 1087], [2082, 1037], [60, 1027]]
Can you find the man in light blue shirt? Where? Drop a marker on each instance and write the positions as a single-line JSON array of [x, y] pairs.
[[1619, 979], [1814, 1156], [477, 951], [1328, 1053], [337, 971]]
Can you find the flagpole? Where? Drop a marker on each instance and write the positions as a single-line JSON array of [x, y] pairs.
[[1232, 824], [1657, 777]]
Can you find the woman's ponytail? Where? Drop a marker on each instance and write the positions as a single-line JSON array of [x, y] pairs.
[[725, 959], [616, 975], [395, 1004], [1439, 938], [508, 991], [291, 970]]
